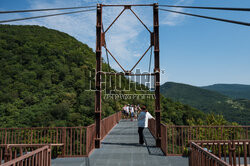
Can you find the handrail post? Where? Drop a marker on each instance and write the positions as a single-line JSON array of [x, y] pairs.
[[5, 136], [166, 131], [31, 136], [189, 133], [87, 141], [6, 154], [245, 153], [190, 156], [49, 155], [246, 132], [64, 141], [234, 154], [230, 152]]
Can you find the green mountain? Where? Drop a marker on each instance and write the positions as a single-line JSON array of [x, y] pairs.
[[208, 101], [235, 91], [45, 81]]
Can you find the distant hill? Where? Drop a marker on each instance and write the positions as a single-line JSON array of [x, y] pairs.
[[235, 91], [208, 101]]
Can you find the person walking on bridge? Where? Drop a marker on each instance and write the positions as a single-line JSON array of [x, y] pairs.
[[136, 112], [143, 123], [124, 111], [127, 111], [132, 112]]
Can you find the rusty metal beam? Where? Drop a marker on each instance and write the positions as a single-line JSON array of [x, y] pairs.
[[98, 106], [103, 43], [140, 58], [127, 5], [128, 74], [100, 41], [114, 58], [140, 20], [114, 20], [157, 75]]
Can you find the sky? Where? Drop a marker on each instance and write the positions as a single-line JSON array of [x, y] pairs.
[[193, 50]]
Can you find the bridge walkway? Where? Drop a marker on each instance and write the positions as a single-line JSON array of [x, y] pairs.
[[121, 148]]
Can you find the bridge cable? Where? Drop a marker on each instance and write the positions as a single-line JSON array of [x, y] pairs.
[[207, 17], [38, 10], [50, 15], [210, 8], [107, 55], [149, 67]]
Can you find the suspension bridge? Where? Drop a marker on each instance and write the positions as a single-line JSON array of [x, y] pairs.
[[113, 140]]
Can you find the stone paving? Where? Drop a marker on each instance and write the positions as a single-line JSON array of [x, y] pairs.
[[121, 148]]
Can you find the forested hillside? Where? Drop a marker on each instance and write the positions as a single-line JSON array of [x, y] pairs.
[[208, 101], [42, 77], [235, 91], [44, 81]]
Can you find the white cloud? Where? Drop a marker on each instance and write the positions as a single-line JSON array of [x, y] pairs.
[[173, 19], [121, 39], [126, 39], [80, 25]]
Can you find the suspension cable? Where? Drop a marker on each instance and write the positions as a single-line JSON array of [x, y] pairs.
[[149, 66], [207, 17], [38, 10], [58, 14], [210, 8], [109, 69]]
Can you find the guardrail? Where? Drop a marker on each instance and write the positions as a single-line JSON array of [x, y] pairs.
[[106, 125], [152, 129], [12, 151], [73, 138], [201, 157], [77, 141], [175, 139], [38, 157], [236, 152]]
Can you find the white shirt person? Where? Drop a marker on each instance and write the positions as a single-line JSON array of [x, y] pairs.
[[142, 123], [143, 118]]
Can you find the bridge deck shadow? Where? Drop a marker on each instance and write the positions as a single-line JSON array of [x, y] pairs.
[[121, 148]]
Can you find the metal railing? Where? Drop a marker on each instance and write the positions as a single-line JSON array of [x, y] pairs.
[[236, 152], [72, 138], [152, 129], [12, 151], [75, 141], [202, 157], [106, 125], [175, 139], [38, 157]]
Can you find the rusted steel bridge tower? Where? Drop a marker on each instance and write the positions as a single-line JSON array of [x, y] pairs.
[[100, 42]]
